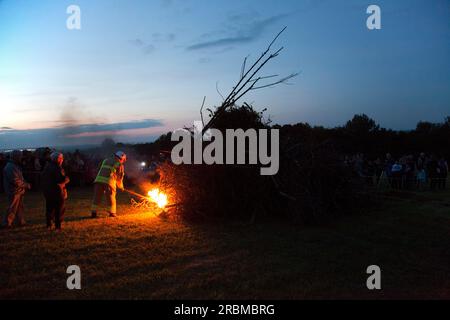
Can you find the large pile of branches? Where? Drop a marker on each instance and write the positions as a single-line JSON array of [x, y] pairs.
[[312, 182]]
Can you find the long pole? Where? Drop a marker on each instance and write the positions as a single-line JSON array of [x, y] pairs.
[[135, 194]]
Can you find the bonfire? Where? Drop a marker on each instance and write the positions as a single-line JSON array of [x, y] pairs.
[[155, 199], [158, 197]]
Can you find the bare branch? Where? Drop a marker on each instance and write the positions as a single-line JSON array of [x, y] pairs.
[[243, 67], [266, 77], [218, 91], [275, 39], [256, 63], [236, 92], [248, 81], [201, 110], [283, 80], [250, 88]]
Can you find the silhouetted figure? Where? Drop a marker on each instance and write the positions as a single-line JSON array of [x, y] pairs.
[[421, 178], [369, 171], [443, 173], [15, 187], [378, 169], [396, 174], [54, 183], [409, 172], [433, 172], [388, 163]]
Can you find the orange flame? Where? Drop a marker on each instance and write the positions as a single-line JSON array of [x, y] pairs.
[[158, 197]]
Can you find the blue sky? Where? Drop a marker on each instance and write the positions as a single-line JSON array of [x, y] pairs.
[[140, 68]]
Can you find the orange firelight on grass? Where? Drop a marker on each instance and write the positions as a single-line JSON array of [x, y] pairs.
[[158, 197]]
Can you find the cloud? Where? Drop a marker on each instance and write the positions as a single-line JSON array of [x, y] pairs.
[[166, 3], [170, 37], [149, 47], [220, 43], [72, 134], [163, 37], [137, 124], [246, 32], [143, 46], [137, 42]]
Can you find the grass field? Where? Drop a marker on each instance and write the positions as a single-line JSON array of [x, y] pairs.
[[139, 256]]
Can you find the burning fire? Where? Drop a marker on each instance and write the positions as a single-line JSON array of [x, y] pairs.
[[158, 197]]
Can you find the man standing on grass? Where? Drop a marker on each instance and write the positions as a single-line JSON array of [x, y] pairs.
[[54, 181], [15, 187], [109, 177]]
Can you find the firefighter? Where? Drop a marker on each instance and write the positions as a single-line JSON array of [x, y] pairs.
[[109, 178]]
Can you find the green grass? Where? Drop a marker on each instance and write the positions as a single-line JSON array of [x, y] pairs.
[[140, 256]]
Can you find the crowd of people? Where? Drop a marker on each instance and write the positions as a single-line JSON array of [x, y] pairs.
[[405, 172], [80, 167], [53, 181]]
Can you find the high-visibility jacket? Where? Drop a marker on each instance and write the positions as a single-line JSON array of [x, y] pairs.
[[111, 173]]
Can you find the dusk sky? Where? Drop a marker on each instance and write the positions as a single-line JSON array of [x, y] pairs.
[[139, 68]]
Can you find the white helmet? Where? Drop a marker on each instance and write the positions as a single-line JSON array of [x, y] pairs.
[[121, 155]]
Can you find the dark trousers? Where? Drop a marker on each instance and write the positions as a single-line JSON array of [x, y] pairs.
[[54, 209], [443, 181], [434, 181], [397, 180]]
